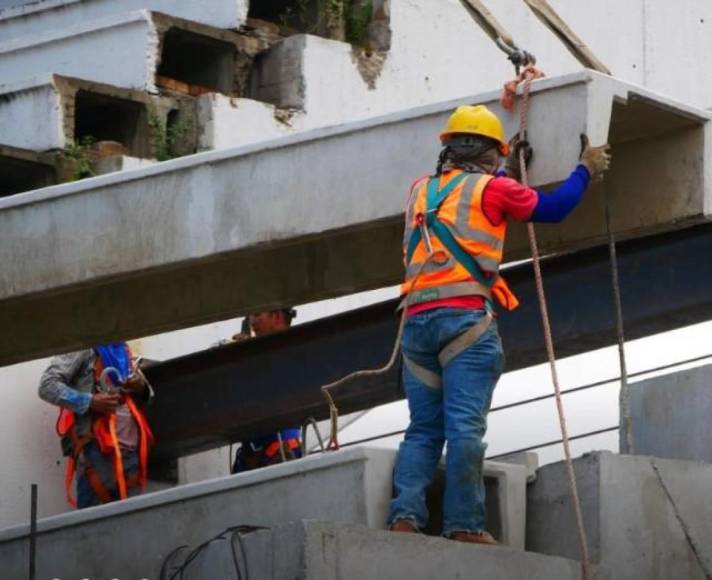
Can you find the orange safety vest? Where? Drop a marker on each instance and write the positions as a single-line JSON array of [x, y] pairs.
[[461, 213], [103, 430]]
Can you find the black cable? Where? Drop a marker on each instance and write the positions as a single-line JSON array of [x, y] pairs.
[[162, 574]]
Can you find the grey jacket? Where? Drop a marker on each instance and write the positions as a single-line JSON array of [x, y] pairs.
[[68, 382]]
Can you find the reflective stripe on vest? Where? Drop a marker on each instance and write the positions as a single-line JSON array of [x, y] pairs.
[[468, 248]]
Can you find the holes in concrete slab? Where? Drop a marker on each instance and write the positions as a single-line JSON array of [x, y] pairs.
[[105, 118], [198, 60], [18, 175]]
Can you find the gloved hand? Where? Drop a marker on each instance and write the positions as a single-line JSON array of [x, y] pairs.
[[512, 166], [596, 159]]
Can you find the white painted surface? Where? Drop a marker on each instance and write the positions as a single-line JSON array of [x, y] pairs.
[[59, 14], [121, 51], [31, 115]]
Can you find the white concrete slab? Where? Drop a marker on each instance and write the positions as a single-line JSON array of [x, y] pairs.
[[311, 193], [38, 17]]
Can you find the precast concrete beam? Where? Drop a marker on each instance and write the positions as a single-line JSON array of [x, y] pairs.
[[53, 112], [314, 215], [153, 46], [645, 517], [350, 486], [49, 15]]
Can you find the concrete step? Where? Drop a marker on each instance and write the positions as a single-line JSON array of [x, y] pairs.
[[199, 225], [39, 17], [152, 45], [351, 486], [328, 551], [646, 517]]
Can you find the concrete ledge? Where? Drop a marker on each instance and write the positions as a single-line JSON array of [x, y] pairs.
[[327, 551], [671, 415], [58, 14], [352, 486], [645, 517], [302, 216]]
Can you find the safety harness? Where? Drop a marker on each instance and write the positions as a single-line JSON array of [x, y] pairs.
[[103, 431], [481, 285]]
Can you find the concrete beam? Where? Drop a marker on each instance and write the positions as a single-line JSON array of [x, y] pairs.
[[152, 45], [645, 517], [49, 15], [349, 486], [299, 218], [671, 415], [24, 170], [52, 112]]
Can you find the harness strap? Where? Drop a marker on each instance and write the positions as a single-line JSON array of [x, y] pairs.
[[271, 450], [470, 288], [144, 441], [95, 481], [69, 480], [422, 374], [456, 346], [118, 458], [464, 341]]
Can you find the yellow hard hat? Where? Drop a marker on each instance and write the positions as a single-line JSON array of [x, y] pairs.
[[476, 120]]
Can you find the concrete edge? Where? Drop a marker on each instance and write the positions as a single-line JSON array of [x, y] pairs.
[[88, 27], [190, 491], [38, 6], [28, 84]]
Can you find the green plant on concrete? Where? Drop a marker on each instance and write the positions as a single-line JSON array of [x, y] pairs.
[[78, 154], [295, 15], [169, 137], [358, 19]]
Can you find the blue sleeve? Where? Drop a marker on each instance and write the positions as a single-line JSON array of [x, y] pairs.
[[554, 206]]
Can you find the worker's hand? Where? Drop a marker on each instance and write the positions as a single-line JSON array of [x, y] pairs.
[[105, 402], [512, 166], [242, 337], [135, 385], [596, 159]]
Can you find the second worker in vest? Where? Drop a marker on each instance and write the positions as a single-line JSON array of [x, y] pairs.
[[455, 228]]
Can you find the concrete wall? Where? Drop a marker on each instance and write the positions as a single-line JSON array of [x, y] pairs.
[[645, 517], [327, 551], [58, 14], [671, 415]]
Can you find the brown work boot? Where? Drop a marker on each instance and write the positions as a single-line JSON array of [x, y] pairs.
[[474, 538], [405, 526]]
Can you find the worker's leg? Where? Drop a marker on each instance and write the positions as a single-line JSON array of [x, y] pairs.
[[469, 380], [96, 476], [421, 449]]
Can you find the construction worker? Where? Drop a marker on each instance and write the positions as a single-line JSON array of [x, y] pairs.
[[270, 448], [104, 433], [455, 228]]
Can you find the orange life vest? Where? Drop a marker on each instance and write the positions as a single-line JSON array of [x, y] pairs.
[[103, 431], [473, 242]]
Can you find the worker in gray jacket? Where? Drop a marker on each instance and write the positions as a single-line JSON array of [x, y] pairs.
[[105, 435]]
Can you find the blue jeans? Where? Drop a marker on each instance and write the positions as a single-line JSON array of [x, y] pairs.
[[456, 413], [104, 467]]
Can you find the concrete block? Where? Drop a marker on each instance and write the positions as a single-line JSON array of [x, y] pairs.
[[231, 122], [52, 112], [152, 45], [199, 216], [328, 551], [645, 517], [48, 15], [353, 486], [671, 415]]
